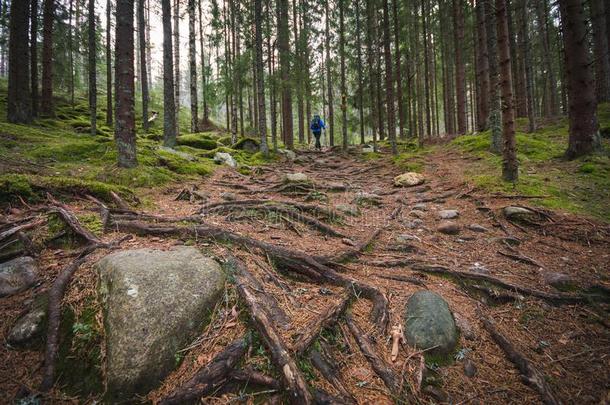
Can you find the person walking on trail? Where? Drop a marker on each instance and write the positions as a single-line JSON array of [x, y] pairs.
[[316, 126]]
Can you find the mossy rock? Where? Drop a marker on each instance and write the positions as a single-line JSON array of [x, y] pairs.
[[198, 141], [225, 140], [247, 144]]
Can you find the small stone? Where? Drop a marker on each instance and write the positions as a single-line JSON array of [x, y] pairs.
[[464, 326], [560, 281], [479, 269], [416, 223], [287, 154], [406, 238], [436, 393], [409, 179], [470, 369], [183, 155], [17, 275], [296, 178], [363, 198], [31, 324], [225, 158], [420, 207], [227, 196], [477, 228], [448, 228], [448, 214], [517, 212], [368, 149], [335, 186], [348, 242], [348, 209], [417, 213]]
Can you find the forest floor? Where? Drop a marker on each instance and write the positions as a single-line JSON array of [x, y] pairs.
[[569, 343]]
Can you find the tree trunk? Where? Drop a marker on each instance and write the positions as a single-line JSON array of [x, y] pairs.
[[552, 106], [510, 170], [92, 55], [342, 62], [125, 128], [460, 73], [494, 96], [19, 106], [426, 68], [206, 117], [48, 17], [284, 50], [298, 76], [329, 80], [527, 62], [193, 67], [584, 135], [600, 49], [272, 80], [260, 71], [359, 68], [109, 107], [71, 51], [143, 69], [34, 56], [169, 104], [370, 33], [482, 67], [177, 83], [389, 77], [398, 58]]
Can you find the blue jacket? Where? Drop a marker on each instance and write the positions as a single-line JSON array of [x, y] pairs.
[[321, 124]]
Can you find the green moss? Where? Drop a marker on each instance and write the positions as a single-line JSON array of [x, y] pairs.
[[239, 144], [199, 141], [14, 185], [225, 140], [92, 222], [180, 165]]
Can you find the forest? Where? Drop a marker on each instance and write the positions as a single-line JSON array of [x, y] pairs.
[[303, 201]]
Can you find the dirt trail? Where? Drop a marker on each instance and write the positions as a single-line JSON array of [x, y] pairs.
[[568, 343]]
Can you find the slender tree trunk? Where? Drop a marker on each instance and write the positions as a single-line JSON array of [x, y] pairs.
[[419, 84], [142, 60], [48, 17], [298, 73], [494, 95], [109, 107], [19, 105], [169, 104], [552, 106], [342, 62], [329, 80], [305, 33], [519, 63], [177, 81], [584, 134], [460, 72], [125, 128], [272, 80], [373, 89], [260, 71], [389, 77], [34, 56], [92, 54], [527, 62], [71, 51], [206, 117], [359, 67], [398, 58], [284, 50], [600, 49], [426, 69], [193, 67], [510, 170], [483, 67]]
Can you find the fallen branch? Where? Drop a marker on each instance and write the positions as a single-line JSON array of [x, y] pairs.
[[530, 374], [312, 208], [213, 374], [292, 378]]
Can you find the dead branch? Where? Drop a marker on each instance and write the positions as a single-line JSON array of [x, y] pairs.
[[311, 208], [253, 377], [292, 378], [530, 374], [211, 375]]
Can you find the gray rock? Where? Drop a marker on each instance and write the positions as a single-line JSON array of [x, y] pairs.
[[477, 228], [225, 158], [448, 214], [227, 196], [368, 149], [417, 213], [155, 302], [420, 207], [416, 223], [17, 275], [464, 326], [560, 281], [429, 323], [178, 153], [364, 198], [336, 186], [437, 393], [470, 369], [449, 228], [348, 209], [409, 179], [31, 324], [517, 212], [406, 238], [296, 178], [287, 154]]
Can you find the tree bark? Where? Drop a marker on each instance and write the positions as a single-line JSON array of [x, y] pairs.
[[169, 104], [600, 49], [125, 128], [71, 50], [482, 67], [584, 135], [426, 68], [370, 34], [329, 79], [342, 62], [109, 108], [359, 67], [510, 171], [193, 67], [34, 56], [550, 99], [19, 106], [92, 55], [398, 58], [204, 86], [177, 83], [460, 72], [494, 94], [284, 51], [389, 78], [527, 62], [143, 68], [260, 71], [48, 17]]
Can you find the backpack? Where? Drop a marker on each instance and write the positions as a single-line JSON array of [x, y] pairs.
[[315, 125]]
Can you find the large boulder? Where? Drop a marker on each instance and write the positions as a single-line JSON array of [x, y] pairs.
[[225, 158], [409, 179], [17, 275], [31, 324], [429, 323], [155, 302], [287, 154], [518, 213]]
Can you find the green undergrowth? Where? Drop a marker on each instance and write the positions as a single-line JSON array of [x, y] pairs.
[[579, 186]]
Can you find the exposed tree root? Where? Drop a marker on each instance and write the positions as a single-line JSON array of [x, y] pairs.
[[311, 208], [520, 258], [405, 279], [383, 370], [70, 219], [21, 227], [530, 374], [331, 374], [352, 252], [212, 375], [292, 378]]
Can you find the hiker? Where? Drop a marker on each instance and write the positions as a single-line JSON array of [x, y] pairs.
[[317, 125]]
